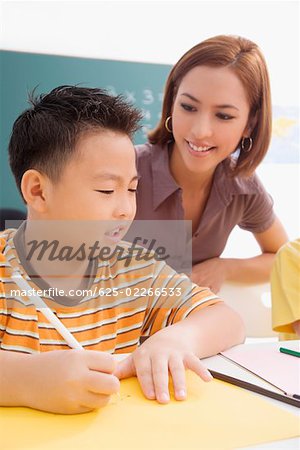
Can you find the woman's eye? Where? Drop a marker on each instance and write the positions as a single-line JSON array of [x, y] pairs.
[[133, 190], [187, 107], [108, 192], [224, 116]]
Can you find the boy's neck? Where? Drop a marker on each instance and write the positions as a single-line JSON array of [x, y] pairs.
[[48, 272], [51, 255]]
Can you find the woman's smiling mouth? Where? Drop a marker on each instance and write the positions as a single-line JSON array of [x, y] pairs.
[[204, 149]]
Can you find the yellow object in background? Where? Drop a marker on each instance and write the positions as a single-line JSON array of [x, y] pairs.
[[216, 415], [285, 287], [282, 126]]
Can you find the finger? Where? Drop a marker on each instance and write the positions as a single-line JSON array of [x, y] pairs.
[[125, 368], [102, 383], [193, 363], [213, 288], [177, 371], [144, 374], [160, 376], [100, 361], [94, 401], [216, 289], [195, 278]]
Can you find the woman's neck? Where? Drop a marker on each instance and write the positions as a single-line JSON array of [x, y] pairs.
[[189, 180]]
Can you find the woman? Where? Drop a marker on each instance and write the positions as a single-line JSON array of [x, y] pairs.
[[199, 163]]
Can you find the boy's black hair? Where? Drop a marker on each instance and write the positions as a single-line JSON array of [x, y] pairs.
[[44, 136]]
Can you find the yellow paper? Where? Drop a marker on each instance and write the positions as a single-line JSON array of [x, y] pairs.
[[216, 415]]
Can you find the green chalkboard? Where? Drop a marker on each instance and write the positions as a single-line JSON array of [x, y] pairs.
[[140, 83]]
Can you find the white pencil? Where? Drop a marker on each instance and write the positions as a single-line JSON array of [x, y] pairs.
[[47, 312]]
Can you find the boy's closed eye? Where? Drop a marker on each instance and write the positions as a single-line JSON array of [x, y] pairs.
[[104, 191], [111, 191]]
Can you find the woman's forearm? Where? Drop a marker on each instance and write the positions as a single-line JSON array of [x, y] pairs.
[[249, 270]]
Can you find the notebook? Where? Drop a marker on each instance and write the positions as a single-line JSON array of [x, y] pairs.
[[261, 368]]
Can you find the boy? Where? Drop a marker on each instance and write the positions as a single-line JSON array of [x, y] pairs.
[[73, 160]]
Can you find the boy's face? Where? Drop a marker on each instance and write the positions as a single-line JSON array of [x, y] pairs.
[[99, 181]]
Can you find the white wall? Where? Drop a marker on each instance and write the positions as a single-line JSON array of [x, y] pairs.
[[156, 31], [160, 32]]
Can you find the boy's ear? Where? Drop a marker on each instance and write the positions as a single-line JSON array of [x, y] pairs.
[[34, 187]]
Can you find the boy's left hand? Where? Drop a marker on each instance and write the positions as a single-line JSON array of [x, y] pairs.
[[162, 354]]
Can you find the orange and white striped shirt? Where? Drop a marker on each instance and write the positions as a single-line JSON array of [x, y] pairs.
[[140, 299]]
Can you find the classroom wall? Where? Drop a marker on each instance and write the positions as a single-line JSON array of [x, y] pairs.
[[22, 72], [156, 31], [160, 32]]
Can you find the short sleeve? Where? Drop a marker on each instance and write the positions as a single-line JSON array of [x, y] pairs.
[[258, 213], [3, 314], [174, 297], [285, 288], [3, 307]]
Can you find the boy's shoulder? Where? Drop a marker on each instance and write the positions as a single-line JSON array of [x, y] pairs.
[[5, 237], [9, 257]]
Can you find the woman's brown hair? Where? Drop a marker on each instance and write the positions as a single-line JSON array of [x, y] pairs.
[[247, 62]]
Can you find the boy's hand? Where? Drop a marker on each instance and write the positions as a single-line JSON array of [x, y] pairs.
[[163, 353], [69, 382]]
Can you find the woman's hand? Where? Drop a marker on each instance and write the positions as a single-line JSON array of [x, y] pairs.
[[211, 273]]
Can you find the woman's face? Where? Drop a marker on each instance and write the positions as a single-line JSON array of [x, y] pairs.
[[209, 117]]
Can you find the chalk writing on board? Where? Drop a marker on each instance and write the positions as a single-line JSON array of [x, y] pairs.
[[149, 101], [130, 96], [146, 114], [148, 97]]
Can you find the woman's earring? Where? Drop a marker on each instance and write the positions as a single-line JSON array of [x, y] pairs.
[[246, 148], [167, 124]]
